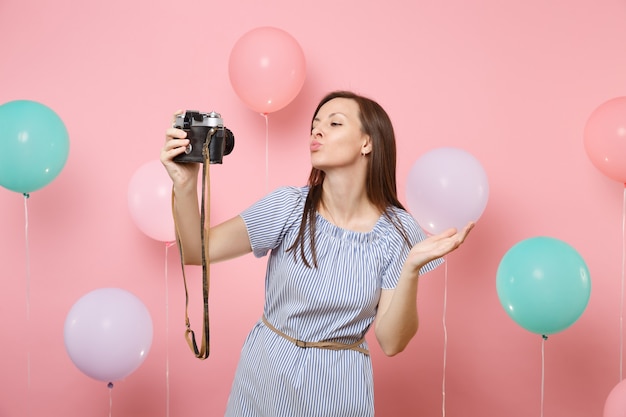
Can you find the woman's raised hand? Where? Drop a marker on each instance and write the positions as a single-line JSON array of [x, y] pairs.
[[436, 246], [182, 174]]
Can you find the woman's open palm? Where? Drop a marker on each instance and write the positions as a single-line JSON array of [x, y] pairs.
[[436, 246]]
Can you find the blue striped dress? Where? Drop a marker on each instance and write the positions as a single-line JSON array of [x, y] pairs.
[[337, 300]]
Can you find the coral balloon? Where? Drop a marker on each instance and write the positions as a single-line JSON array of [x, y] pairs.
[[605, 138], [615, 405], [34, 143], [150, 201], [543, 285], [108, 334], [446, 187], [267, 69]]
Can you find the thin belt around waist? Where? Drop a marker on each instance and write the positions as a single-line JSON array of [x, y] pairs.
[[326, 344]]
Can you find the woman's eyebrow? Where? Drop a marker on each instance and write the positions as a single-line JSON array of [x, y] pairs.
[[317, 119]]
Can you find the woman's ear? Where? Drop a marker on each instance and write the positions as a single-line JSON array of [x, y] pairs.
[[366, 148]]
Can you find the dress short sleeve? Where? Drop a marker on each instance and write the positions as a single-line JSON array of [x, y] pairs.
[[270, 218]]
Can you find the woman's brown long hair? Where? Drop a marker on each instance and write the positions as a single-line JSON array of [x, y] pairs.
[[381, 170]]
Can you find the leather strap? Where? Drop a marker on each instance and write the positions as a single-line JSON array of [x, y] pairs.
[[203, 352], [325, 344]]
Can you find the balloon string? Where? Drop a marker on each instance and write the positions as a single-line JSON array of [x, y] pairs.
[[445, 339], [167, 336], [27, 251], [543, 342], [267, 152], [110, 387], [621, 307]]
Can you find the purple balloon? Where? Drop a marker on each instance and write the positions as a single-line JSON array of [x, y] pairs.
[[108, 333], [446, 187]]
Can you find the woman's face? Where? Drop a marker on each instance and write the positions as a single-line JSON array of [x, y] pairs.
[[337, 139]]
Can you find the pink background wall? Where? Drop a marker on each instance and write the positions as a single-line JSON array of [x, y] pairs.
[[511, 82]]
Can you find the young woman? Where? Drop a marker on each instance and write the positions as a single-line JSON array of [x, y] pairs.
[[343, 255]]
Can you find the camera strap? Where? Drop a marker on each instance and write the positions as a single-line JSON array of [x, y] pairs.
[[190, 336]]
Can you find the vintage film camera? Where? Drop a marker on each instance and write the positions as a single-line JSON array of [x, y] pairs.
[[204, 129]]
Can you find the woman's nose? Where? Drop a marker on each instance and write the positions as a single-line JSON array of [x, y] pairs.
[[316, 132]]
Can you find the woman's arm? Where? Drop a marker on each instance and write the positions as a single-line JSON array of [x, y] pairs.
[[397, 321]]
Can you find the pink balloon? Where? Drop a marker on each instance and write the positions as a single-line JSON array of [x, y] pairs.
[[446, 187], [605, 138], [150, 201], [267, 69], [108, 334], [615, 405]]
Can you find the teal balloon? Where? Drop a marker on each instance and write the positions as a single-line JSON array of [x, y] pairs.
[[34, 145], [543, 284]]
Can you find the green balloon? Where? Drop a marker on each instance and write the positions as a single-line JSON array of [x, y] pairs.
[[34, 145], [543, 284]]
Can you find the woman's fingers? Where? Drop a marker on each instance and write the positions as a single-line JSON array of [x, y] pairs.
[[172, 148], [175, 144], [174, 133], [468, 228]]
